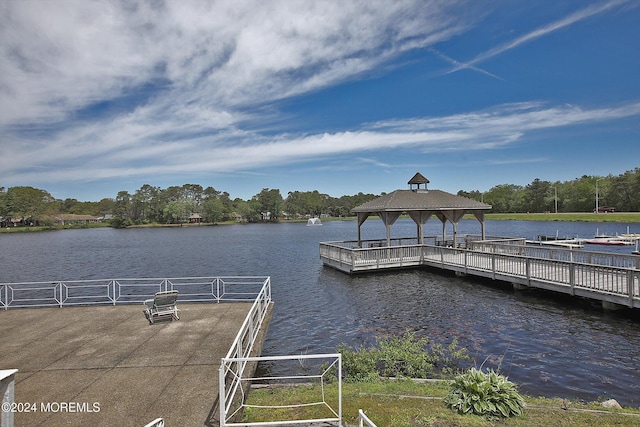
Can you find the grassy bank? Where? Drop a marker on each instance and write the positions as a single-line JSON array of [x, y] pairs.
[[412, 404], [620, 217], [54, 227]]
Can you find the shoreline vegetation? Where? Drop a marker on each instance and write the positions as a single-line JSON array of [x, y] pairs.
[[614, 217], [411, 403], [413, 381]]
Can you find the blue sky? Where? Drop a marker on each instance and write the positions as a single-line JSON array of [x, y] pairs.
[[336, 96]]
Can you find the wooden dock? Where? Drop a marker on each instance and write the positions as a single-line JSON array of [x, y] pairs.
[[610, 278]]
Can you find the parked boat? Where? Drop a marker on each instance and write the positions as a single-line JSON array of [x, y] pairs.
[[610, 241]]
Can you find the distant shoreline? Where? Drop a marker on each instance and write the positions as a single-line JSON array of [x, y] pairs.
[[615, 217]]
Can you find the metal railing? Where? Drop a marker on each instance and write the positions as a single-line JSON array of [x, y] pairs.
[[327, 382], [7, 396], [234, 380], [128, 291], [233, 366], [363, 420], [158, 422]]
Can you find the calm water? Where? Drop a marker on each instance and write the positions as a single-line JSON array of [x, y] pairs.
[[550, 345]]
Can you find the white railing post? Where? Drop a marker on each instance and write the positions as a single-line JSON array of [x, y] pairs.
[[631, 285], [363, 419], [222, 394], [7, 392], [340, 387]]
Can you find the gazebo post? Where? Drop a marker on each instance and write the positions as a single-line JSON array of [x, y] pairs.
[[420, 218], [362, 217], [480, 217], [420, 203]]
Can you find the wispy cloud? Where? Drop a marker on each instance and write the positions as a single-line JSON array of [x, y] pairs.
[[537, 33], [110, 89], [459, 65], [481, 130], [216, 56]]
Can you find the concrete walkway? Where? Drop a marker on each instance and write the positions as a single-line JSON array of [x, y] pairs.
[[106, 366]]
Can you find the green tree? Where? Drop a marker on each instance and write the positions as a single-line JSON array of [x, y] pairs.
[[122, 210], [27, 202], [3, 203], [212, 209], [179, 210], [505, 198], [535, 196], [271, 203]]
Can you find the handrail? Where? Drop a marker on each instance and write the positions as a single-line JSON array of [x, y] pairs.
[[364, 420], [158, 422], [127, 291], [603, 276], [7, 396], [329, 374]]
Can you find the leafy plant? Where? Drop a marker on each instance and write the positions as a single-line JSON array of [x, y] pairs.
[[487, 394], [404, 356]]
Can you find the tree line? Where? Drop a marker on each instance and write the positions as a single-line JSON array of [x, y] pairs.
[[579, 195], [177, 204]]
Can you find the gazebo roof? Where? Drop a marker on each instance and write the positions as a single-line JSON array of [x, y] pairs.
[[420, 200]]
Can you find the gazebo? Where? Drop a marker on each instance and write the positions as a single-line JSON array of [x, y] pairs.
[[420, 203]]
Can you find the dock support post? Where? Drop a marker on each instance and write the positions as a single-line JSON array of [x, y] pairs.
[[519, 286], [611, 306]]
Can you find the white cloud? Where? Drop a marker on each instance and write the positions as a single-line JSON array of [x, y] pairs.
[[178, 82], [59, 57], [539, 32], [482, 130]]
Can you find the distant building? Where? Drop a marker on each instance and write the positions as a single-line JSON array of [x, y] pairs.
[[63, 219]]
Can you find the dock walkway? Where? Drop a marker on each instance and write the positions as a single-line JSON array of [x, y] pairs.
[[612, 279], [107, 366]]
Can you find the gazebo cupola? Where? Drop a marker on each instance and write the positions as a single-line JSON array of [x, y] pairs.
[[420, 203], [417, 181]]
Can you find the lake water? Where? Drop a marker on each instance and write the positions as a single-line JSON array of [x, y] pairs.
[[548, 344]]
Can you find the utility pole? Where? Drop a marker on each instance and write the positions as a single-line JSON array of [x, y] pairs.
[[597, 196]]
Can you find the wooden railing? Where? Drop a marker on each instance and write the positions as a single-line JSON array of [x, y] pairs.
[[607, 277]]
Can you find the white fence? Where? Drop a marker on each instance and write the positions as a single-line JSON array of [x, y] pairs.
[[612, 278], [364, 420], [127, 291], [323, 372]]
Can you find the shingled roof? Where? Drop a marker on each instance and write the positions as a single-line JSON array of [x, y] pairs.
[[420, 200], [420, 204]]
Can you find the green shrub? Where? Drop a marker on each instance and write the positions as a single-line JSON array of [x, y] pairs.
[[487, 394], [405, 356]]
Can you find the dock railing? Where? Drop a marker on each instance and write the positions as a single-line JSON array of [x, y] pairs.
[[128, 291], [611, 278]]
